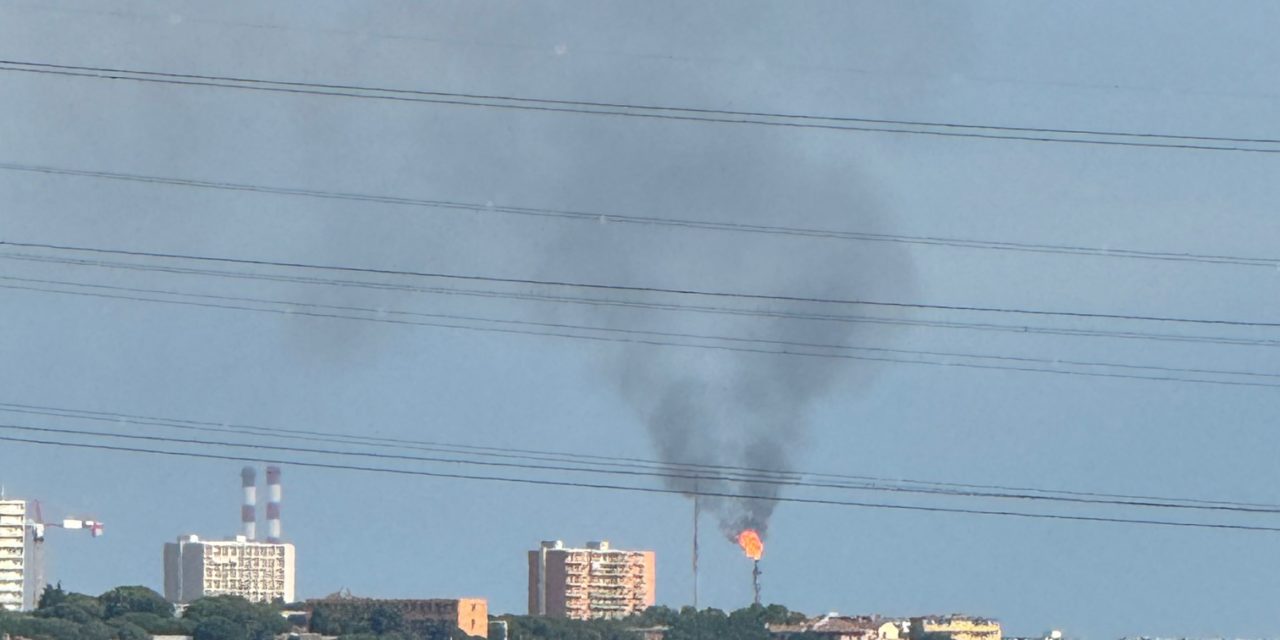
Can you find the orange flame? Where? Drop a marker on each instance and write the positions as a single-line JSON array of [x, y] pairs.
[[751, 544]]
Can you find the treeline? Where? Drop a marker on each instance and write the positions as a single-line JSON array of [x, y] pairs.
[[137, 613], [378, 621], [684, 624]]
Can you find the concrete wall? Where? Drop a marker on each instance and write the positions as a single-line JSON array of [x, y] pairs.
[[535, 580], [172, 572], [650, 580], [473, 616], [557, 583]]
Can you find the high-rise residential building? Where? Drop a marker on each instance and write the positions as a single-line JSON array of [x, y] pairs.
[[256, 571], [14, 594], [591, 582]]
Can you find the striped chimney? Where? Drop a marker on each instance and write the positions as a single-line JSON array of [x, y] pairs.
[[273, 504], [249, 510]]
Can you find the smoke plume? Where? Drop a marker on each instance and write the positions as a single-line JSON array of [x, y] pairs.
[[732, 405]]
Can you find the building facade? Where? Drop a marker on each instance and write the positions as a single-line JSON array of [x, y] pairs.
[[471, 615], [256, 571], [595, 581], [14, 594], [837, 627], [958, 627]]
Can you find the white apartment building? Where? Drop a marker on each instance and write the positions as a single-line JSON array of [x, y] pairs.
[[256, 571], [14, 594]]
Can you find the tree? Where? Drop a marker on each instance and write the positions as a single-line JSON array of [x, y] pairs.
[[258, 621], [157, 625], [70, 612], [135, 599], [126, 630], [541, 628], [219, 628], [323, 623], [384, 619], [659, 616], [32, 627], [778, 614], [74, 607], [51, 596], [750, 623], [54, 628]]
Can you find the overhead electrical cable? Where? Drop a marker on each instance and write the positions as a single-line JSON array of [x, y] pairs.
[[933, 77], [688, 114], [383, 285], [667, 473], [663, 334], [612, 218], [577, 457], [638, 288], [639, 489], [651, 338]]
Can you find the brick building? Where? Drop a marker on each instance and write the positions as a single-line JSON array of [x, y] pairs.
[[471, 615]]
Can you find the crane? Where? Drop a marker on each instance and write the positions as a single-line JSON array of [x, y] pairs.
[[37, 527]]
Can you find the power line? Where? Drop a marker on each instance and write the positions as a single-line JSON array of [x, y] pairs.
[[662, 334], [657, 306], [638, 289], [643, 337], [775, 119], [364, 34], [577, 457], [596, 217], [650, 490], [666, 472], [649, 474]]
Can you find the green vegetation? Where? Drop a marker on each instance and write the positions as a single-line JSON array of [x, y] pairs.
[[137, 613], [379, 621], [234, 618], [537, 628], [686, 624]]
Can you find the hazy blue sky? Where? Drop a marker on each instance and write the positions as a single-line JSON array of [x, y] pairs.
[[1194, 68]]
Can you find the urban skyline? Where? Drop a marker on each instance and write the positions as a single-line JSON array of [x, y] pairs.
[[961, 306]]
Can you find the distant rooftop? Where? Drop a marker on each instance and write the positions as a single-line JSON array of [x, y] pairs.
[[955, 617], [192, 538], [594, 545]]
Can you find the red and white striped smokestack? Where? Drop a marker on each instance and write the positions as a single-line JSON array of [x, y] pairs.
[[249, 510], [273, 504]]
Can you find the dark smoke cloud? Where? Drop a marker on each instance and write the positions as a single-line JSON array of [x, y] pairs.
[[731, 408], [699, 406]]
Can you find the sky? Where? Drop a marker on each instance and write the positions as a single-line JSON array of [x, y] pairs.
[[1174, 67]]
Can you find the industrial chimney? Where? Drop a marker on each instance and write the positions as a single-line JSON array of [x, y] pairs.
[[273, 504], [249, 510]]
